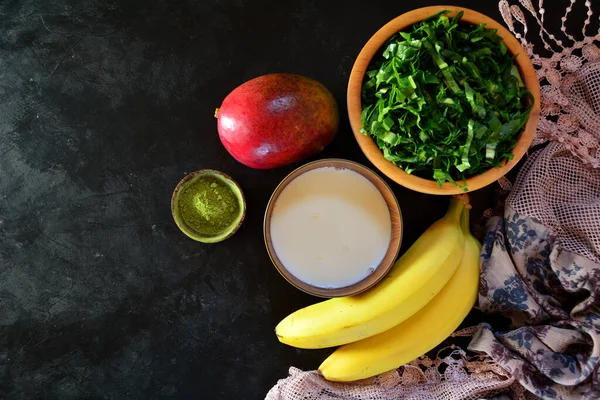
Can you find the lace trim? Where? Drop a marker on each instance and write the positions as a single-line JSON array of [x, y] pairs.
[[569, 79]]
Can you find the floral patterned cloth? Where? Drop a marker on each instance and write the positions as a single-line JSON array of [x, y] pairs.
[[551, 297]]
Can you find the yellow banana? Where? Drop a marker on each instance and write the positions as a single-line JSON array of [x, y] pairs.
[[412, 282], [418, 334]]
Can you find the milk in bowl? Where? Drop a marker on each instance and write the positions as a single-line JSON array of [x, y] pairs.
[[330, 227]]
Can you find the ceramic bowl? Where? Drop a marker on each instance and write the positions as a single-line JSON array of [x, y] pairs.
[[393, 246], [368, 145], [189, 230]]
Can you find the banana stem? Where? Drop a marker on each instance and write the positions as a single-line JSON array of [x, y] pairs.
[[464, 221], [466, 228], [455, 210], [464, 198]]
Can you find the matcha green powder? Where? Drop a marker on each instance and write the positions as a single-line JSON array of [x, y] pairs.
[[208, 206]]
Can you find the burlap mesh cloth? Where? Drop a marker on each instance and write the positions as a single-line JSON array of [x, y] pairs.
[[563, 195], [540, 261]]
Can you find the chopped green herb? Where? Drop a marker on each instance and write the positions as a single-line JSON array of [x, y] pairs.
[[445, 99]]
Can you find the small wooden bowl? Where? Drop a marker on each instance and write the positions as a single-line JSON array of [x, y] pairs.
[[368, 145], [190, 231], [393, 247]]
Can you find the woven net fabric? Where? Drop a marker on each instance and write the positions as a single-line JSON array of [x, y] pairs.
[[564, 195], [569, 78]]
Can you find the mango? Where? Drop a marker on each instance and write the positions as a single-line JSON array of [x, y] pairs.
[[277, 119]]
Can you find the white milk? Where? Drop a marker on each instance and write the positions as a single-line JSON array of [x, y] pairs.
[[330, 227]]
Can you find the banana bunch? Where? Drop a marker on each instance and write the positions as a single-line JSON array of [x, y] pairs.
[[420, 333], [423, 299]]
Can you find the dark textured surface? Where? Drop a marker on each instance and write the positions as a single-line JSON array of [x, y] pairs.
[[104, 107]]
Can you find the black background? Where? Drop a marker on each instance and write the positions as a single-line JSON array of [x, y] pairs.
[[104, 107]]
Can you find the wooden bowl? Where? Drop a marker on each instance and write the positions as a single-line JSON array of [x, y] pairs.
[[186, 228], [370, 148], [393, 247]]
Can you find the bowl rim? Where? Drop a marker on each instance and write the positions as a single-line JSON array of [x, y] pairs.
[[370, 148], [229, 231], [395, 240]]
